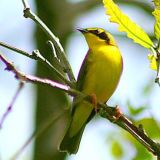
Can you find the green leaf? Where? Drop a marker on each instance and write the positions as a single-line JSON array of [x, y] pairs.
[[153, 62], [117, 150], [142, 153], [133, 31], [151, 127], [135, 111], [148, 88], [157, 3], [156, 14]]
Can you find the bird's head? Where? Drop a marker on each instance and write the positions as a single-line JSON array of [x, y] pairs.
[[97, 36]]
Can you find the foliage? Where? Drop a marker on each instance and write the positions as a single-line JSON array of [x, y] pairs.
[[134, 31], [156, 14]]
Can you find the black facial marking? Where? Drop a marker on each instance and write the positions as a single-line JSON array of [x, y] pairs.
[[104, 36], [94, 32], [101, 35]]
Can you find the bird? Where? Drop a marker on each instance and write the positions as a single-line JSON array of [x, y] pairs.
[[98, 77]]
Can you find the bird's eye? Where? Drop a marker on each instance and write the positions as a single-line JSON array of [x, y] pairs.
[[104, 36]]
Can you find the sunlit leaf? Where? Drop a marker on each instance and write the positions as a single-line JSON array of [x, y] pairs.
[[142, 153], [117, 150], [148, 88], [157, 3], [135, 111], [151, 127], [133, 31], [153, 62], [156, 14]]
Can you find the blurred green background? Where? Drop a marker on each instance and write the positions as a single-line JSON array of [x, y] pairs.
[[137, 94]]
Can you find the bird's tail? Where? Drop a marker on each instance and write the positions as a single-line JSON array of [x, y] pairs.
[[71, 144]]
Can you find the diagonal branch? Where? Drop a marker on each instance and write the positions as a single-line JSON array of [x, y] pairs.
[[9, 108]]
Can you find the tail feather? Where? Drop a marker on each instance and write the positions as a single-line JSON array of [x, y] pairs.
[[71, 144]]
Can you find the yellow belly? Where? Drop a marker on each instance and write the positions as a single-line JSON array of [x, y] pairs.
[[104, 67], [103, 74]]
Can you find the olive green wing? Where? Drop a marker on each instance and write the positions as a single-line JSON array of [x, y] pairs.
[[81, 109], [82, 73], [72, 138]]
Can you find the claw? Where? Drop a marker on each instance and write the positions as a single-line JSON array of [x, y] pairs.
[[118, 113], [94, 101]]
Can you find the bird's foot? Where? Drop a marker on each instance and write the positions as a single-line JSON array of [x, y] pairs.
[[94, 101], [118, 113]]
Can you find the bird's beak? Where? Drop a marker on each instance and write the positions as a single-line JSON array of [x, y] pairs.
[[82, 30]]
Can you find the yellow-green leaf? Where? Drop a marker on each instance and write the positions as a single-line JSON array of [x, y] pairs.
[[157, 3], [133, 31], [153, 62], [151, 127], [117, 150], [156, 14]]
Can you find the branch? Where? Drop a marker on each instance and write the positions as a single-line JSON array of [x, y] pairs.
[[60, 51], [33, 79], [9, 108], [135, 131], [36, 55], [113, 114]]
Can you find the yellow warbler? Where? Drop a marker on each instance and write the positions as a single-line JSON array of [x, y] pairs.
[[99, 75]]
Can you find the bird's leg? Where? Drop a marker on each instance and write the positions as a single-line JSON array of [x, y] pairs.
[[117, 113], [93, 98]]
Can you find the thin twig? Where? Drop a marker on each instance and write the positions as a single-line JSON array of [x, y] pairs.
[[9, 108], [36, 55], [30, 78], [17, 50], [60, 51], [55, 59], [25, 4], [52, 48]]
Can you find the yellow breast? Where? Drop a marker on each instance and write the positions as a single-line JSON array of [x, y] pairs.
[[104, 71]]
